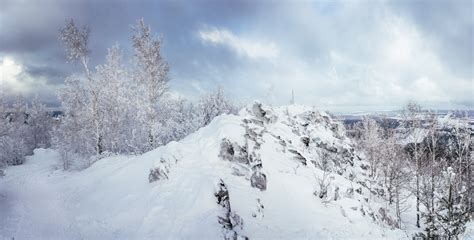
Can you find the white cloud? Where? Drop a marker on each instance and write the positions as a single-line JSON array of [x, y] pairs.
[[15, 80], [243, 46], [10, 72]]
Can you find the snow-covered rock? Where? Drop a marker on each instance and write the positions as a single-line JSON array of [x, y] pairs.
[[255, 175]]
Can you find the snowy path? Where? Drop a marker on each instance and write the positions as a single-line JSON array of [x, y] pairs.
[[111, 200], [29, 205]]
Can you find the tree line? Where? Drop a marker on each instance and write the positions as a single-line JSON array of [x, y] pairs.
[[427, 158]]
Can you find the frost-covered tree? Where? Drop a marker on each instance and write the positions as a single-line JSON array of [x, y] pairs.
[[75, 40], [396, 174], [118, 109], [73, 135], [214, 104], [462, 151], [115, 103], [370, 139], [429, 173], [152, 76], [435, 161], [445, 185], [412, 116], [178, 118]]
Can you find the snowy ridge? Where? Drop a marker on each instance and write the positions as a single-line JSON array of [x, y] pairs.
[[257, 175]]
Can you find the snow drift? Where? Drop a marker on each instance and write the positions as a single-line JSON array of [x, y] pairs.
[[268, 173]]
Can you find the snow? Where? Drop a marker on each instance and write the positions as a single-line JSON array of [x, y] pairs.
[[113, 199], [469, 234]]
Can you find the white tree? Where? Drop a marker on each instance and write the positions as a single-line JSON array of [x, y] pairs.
[[370, 139], [214, 104], [433, 161], [178, 118], [76, 40], [396, 173], [460, 145], [72, 136], [115, 102], [152, 76], [412, 122], [118, 110]]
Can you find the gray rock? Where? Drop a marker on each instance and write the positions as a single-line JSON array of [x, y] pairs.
[[158, 174], [259, 180]]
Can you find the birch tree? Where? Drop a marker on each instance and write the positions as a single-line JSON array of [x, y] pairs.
[[76, 40], [433, 160], [412, 122], [396, 174], [152, 75], [114, 102], [72, 136], [370, 139], [461, 146]]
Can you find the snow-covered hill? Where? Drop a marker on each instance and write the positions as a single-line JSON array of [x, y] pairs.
[[282, 173]]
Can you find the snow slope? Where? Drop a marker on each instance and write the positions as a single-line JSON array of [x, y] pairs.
[[210, 187]]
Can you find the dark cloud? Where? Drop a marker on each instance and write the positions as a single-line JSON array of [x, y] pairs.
[[328, 51]]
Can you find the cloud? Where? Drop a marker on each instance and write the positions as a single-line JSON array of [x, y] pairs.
[[14, 79], [379, 61], [448, 25], [251, 48], [334, 54]]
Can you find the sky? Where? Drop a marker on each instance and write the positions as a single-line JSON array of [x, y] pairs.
[[336, 55]]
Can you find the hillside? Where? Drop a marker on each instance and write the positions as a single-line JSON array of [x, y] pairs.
[[257, 175]]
